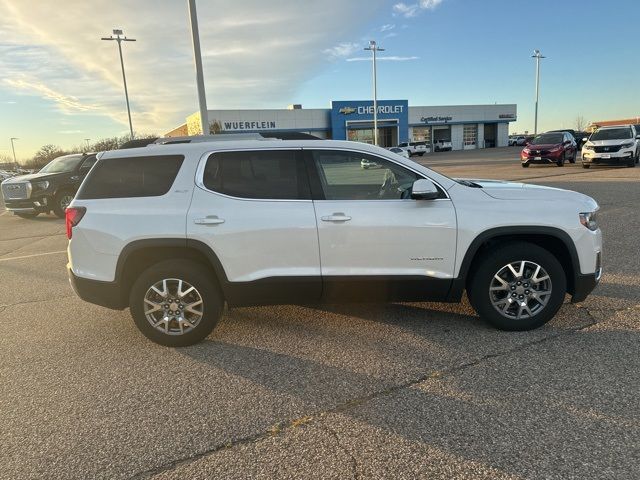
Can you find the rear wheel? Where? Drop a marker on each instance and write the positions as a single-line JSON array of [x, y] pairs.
[[176, 303], [518, 286], [61, 201]]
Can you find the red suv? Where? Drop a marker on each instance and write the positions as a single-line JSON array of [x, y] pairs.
[[551, 147]]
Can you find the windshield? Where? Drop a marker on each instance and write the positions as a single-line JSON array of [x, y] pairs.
[[547, 138], [612, 134], [62, 164]]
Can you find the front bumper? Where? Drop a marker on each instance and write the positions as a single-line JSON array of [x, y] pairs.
[[533, 159], [616, 158], [30, 205], [105, 294], [585, 283]]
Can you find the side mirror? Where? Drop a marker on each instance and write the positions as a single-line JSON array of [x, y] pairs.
[[424, 189], [637, 137]]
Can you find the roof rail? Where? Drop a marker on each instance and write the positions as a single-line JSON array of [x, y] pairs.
[[220, 137]]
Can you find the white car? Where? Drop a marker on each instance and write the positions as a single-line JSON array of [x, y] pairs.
[[176, 231], [612, 146], [400, 151], [517, 140], [414, 148], [442, 145]]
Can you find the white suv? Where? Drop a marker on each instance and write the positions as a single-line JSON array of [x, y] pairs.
[[612, 146], [414, 148], [176, 231]]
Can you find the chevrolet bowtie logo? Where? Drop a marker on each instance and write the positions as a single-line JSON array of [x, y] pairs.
[[347, 110]]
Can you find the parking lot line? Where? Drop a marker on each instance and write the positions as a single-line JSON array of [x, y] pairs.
[[33, 255]]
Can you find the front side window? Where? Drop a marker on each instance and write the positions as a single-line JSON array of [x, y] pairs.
[[359, 176], [266, 174], [87, 164]]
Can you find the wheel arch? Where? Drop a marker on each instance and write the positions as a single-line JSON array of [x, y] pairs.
[[138, 255], [555, 240]]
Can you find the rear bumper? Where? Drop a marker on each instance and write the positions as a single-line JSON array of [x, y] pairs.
[[105, 294]]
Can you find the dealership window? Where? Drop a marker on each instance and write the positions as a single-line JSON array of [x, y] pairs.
[[470, 135], [421, 134]]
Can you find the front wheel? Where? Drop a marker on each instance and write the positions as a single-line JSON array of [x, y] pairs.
[[560, 162], [586, 165], [573, 157], [525, 165], [176, 303], [518, 286], [60, 203]]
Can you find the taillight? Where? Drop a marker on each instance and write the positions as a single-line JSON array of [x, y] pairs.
[[73, 215]]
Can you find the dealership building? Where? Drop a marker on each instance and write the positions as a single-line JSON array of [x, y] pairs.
[[465, 126]]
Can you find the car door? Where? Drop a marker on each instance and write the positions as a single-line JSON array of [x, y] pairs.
[[253, 209], [376, 243]]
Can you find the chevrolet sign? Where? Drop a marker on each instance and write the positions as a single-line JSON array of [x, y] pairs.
[[347, 110]]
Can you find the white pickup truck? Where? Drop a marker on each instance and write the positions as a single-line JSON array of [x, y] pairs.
[[442, 145], [414, 148]]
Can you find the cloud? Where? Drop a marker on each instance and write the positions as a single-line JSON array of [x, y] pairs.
[[256, 54], [390, 35], [70, 132], [387, 59], [342, 50], [413, 9], [387, 27]]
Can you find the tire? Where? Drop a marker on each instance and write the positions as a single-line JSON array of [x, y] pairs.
[[560, 162], [205, 316], [27, 215], [494, 263], [61, 201], [586, 165], [631, 163], [525, 165], [573, 158]]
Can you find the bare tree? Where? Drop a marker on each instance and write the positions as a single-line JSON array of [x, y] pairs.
[[580, 123]]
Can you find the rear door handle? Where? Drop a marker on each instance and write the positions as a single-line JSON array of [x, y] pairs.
[[336, 217], [210, 220]]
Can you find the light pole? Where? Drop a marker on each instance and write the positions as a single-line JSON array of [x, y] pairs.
[[14, 149], [538, 56], [373, 47], [119, 37], [197, 56]]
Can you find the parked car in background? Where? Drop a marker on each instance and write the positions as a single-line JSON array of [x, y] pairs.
[[517, 140], [51, 189], [400, 151], [414, 148], [612, 146], [316, 228], [550, 147], [577, 136], [442, 145]]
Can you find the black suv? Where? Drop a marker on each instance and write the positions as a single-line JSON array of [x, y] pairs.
[[50, 189]]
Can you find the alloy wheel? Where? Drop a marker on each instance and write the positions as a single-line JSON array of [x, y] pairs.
[[520, 290], [173, 306]]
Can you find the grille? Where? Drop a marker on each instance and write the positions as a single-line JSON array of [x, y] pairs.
[[15, 191], [607, 149], [539, 153]]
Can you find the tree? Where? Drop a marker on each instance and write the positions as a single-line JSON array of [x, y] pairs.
[[580, 123]]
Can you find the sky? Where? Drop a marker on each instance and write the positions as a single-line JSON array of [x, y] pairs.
[[60, 84]]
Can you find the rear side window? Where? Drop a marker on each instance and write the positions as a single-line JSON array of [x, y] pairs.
[[131, 177], [268, 174]]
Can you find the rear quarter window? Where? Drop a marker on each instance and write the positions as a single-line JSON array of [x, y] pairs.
[[126, 177]]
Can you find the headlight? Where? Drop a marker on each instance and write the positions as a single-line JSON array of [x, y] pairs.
[[526, 150], [588, 219], [43, 185], [627, 145], [588, 147]]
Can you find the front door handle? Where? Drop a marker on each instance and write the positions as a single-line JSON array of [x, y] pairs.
[[210, 220], [336, 217]]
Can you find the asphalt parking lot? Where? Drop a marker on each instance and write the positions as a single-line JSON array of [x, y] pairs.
[[399, 391]]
